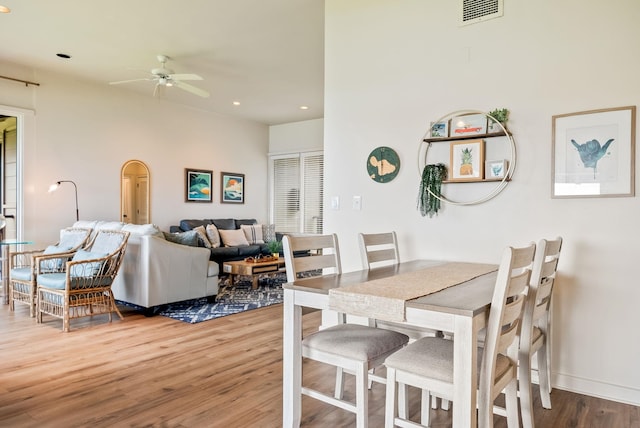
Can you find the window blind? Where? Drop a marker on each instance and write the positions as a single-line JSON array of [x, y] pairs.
[[296, 198]]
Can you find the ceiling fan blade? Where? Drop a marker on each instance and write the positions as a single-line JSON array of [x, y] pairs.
[[190, 88], [129, 81], [185, 76]]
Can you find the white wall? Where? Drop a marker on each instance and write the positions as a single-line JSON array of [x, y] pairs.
[[392, 67], [85, 132], [300, 136]]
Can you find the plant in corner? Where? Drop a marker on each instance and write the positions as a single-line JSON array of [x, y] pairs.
[[430, 189]]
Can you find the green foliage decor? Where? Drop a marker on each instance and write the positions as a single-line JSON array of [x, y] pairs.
[[500, 114], [274, 246], [430, 189]]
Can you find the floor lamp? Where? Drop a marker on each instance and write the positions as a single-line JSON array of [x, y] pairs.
[[55, 186]]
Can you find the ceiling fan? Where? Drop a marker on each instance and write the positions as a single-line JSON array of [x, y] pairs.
[[165, 77]]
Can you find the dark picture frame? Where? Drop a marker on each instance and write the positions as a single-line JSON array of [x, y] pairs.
[[197, 185], [232, 188]]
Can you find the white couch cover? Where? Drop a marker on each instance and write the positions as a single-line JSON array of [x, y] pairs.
[[155, 271]]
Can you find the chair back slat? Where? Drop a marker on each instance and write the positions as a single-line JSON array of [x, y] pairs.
[[378, 249], [505, 315], [538, 302], [322, 254]]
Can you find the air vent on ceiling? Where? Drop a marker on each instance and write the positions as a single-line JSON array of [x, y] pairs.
[[472, 11]]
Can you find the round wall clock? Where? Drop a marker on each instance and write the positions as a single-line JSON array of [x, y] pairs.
[[383, 164]]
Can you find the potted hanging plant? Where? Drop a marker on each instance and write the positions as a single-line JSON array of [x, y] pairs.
[[500, 115], [430, 189]]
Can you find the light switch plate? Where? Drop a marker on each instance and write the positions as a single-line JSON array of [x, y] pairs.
[[357, 203], [335, 202]]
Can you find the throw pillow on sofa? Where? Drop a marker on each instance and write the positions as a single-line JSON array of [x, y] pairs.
[[202, 236], [189, 238], [213, 235], [233, 238], [253, 233]]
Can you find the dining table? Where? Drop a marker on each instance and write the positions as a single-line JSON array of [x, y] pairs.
[[461, 307]]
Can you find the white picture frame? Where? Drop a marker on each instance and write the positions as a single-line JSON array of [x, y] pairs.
[[469, 124], [593, 153], [440, 129], [495, 169]]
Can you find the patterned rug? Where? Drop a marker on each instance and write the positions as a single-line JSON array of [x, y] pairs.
[[231, 300]]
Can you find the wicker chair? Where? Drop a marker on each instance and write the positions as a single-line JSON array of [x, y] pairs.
[[84, 288], [22, 266]]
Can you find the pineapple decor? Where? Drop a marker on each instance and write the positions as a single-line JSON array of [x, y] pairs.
[[466, 167]]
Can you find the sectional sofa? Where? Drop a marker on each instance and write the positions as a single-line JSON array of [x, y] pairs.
[[229, 239]]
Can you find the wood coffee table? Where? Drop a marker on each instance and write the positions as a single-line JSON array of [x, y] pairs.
[[252, 269]]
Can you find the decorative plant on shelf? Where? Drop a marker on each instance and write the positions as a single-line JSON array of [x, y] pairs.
[[274, 247], [501, 115], [430, 189]]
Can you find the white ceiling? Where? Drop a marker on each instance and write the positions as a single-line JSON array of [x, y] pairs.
[[266, 54]]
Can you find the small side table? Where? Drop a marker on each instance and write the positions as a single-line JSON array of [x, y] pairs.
[[6, 256]]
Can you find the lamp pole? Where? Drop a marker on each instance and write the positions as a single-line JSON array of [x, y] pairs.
[[76, 190]]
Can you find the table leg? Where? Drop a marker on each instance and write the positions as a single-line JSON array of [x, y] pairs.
[[292, 361], [5, 273], [465, 354], [254, 282]]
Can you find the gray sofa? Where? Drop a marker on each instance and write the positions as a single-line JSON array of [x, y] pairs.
[[222, 254]]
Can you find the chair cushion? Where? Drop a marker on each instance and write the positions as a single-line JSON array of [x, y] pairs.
[[57, 281], [52, 280], [432, 357], [356, 341], [87, 269], [54, 264], [21, 274], [72, 238]]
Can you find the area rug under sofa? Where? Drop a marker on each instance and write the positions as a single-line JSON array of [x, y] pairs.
[[231, 300]]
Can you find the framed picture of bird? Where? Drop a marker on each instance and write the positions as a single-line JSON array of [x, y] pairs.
[[593, 153]]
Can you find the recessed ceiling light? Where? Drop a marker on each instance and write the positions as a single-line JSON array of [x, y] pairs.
[[304, 107], [4, 9], [63, 55], [236, 103]]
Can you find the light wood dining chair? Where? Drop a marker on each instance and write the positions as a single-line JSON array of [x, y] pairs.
[[428, 363], [378, 249], [536, 328], [352, 348]]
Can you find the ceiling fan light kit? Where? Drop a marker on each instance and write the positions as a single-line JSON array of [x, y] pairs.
[[166, 77]]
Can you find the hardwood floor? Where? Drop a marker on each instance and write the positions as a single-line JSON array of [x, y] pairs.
[[158, 372]]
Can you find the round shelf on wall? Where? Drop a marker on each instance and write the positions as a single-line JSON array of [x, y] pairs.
[[441, 133]]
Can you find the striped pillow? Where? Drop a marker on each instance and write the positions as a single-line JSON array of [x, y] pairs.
[[253, 233]]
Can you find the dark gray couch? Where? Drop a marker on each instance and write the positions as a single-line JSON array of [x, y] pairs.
[[224, 254]]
